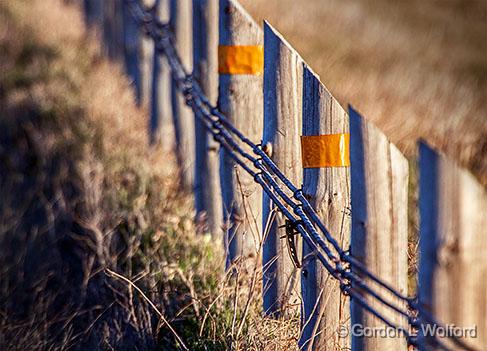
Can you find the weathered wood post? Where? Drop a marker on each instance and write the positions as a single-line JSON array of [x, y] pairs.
[[181, 24], [453, 247], [93, 10], [283, 71], [146, 52], [208, 200], [161, 130], [240, 64], [131, 40], [326, 183], [108, 9], [379, 183], [113, 29]]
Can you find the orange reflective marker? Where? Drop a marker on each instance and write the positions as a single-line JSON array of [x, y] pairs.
[[331, 150], [242, 59]]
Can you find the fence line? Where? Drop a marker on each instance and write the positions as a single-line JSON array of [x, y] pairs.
[[356, 278]]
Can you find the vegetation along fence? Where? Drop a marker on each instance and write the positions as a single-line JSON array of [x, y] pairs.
[[335, 248]]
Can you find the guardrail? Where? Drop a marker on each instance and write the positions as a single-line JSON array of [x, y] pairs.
[[346, 227]]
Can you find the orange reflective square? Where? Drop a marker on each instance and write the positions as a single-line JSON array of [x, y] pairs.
[[331, 150], [244, 59]]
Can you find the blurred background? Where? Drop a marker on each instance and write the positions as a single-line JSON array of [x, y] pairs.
[[418, 69]]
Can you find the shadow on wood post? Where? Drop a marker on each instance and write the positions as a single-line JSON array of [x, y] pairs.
[[379, 239], [181, 25], [161, 128], [453, 246], [208, 198]]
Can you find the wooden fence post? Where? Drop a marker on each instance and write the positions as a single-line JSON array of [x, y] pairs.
[[240, 99], [453, 246], [326, 183], [282, 128], [113, 29], [208, 201], [181, 24], [379, 183], [93, 10], [132, 40], [161, 130], [146, 52]]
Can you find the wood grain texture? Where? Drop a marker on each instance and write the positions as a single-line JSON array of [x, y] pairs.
[[453, 245], [282, 129], [379, 181], [161, 129], [181, 24], [328, 190], [240, 99], [208, 198]]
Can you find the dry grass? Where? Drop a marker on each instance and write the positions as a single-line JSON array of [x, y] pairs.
[[83, 196], [418, 69]]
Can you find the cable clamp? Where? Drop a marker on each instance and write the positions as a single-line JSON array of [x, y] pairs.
[[290, 233]]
